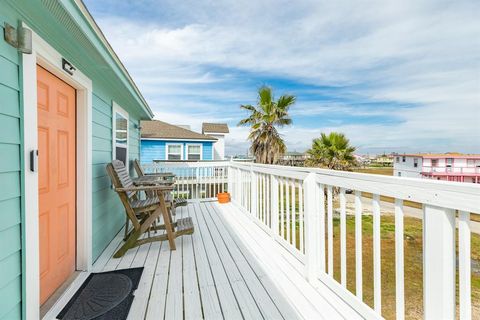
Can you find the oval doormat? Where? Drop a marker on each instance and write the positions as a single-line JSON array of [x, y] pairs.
[[103, 296]]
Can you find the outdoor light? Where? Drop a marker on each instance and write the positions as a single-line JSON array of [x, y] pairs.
[[20, 38], [68, 67]]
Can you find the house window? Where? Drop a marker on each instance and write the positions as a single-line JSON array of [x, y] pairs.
[[174, 152], [434, 162], [449, 162], [399, 174], [470, 163], [415, 163], [194, 152], [120, 134], [398, 159], [403, 159]]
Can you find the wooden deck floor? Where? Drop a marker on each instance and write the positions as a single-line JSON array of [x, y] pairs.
[[209, 276]]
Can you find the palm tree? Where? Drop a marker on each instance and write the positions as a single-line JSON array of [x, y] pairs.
[[331, 151], [264, 119]]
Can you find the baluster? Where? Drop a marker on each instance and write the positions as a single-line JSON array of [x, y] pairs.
[[399, 271], [287, 196], [377, 269], [464, 265], [294, 218], [300, 217], [254, 188], [330, 229], [358, 245], [343, 238], [274, 219], [269, 196], [282, 210]]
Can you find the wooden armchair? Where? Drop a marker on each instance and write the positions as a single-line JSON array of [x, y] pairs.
[[177, 202], [143, 213]]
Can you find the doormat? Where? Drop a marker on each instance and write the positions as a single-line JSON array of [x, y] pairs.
[[103, 296]]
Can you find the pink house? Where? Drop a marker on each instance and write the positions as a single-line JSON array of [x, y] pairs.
[[445, 166]]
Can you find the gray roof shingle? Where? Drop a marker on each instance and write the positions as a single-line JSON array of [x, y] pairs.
[[156, 129], [215, 128]]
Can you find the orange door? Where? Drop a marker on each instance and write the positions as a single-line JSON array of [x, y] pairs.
[[56, 181]]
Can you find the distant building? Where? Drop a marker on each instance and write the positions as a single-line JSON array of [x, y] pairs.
[[162, 141], [294, 158], [445, 166], [385, 160], [217, 131]]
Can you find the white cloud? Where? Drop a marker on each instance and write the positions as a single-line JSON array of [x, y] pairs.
[[423, 53]]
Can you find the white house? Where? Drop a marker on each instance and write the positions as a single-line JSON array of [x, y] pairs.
[[218, 131]]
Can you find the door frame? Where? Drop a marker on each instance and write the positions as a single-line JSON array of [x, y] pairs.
[[47, 57]]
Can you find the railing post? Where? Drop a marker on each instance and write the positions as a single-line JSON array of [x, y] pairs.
[[312, 222], [274, 207], [438, 262]]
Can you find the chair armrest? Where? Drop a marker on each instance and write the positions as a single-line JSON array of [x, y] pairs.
[[146, 188]]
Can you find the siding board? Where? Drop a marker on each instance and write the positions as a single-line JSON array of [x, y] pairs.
[[9, 129], [9, 74], [10, 154], [10, 296], [9, 102], [10, 241], [10, 185], [9, 213], [11, 267]]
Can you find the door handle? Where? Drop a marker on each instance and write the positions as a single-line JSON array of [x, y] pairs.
[[34, 160]]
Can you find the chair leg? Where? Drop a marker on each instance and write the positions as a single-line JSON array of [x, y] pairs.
[[167, 221], [129, 243], [126, 228]]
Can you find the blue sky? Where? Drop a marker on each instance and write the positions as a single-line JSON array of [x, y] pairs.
[[399, 76]]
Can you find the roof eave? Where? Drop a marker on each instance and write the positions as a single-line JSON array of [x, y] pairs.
[[89, 18]]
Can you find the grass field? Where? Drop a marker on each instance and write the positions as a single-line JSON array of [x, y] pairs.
[[385, 171]]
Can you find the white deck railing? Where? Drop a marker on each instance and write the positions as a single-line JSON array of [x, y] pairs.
[[194, 180], [296, 207]]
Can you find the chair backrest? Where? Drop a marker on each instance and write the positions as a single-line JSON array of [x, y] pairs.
[[138, 168], [119, 176]]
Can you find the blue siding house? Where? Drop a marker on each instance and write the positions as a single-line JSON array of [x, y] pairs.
[[161, 141]]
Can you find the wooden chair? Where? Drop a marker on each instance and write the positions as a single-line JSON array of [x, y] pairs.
[[143, 213], [178, 202]]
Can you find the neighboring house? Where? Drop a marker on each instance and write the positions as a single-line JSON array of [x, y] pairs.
[[384, 160], [163, 141], [294, 158], [447, 166], [66, 99], [218, 131]]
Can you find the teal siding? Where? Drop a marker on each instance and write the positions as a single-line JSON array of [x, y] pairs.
[[10, 181], [108, 213], [109, 83]]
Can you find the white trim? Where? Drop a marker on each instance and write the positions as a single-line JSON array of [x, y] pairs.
[[194, 144], [117, 109], [46, 56], [180, 139], [174, 144]]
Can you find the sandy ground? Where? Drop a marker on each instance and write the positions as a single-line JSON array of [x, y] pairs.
[[388, 208]]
